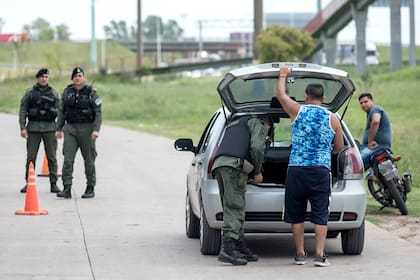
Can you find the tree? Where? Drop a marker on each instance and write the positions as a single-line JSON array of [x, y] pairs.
[[117, 30], [42, 30], [150, 26], [62, 32], [280, 43], [172, 31]]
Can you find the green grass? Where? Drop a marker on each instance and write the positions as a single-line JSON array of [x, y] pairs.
[[181, 107], [373, 220], [61, 57]]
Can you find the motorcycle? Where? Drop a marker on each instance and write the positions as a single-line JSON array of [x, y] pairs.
[[384, 182]]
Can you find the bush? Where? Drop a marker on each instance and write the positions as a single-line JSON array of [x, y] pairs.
[[280, 43]]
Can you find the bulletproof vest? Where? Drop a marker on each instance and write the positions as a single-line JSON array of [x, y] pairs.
[[42, 106], [236, 140], [77, 105]]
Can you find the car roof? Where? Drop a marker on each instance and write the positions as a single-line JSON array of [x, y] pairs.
[[253, 88]]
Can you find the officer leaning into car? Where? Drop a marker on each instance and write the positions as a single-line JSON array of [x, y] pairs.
[[240, 154], [37, 115], [79, 119]]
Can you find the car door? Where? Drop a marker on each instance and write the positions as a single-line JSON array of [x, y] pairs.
[[199, 165]]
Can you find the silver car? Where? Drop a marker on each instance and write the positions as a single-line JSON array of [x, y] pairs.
[[251, 91]]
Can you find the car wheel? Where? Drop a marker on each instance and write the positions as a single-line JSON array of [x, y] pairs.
[[192, 223], [210, 238], [353, 240]]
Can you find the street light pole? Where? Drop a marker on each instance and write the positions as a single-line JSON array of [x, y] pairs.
[[139, 37], [93, 39]]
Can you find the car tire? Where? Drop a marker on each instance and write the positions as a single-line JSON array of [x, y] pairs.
[[353, 240], [210, 238], [192, 223]]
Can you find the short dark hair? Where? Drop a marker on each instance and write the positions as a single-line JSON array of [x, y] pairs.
[[366, 94], [315, 91]]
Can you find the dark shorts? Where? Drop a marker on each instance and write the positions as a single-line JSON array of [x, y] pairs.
[[305, 184]]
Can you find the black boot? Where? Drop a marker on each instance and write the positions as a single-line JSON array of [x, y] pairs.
[[244, 251], [89, 192], [228, 255], [66, 192], [23, 190], [54, 188]]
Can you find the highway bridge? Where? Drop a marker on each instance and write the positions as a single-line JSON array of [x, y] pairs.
[[324, 28]]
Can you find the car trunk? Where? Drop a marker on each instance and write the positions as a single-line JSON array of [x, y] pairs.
[[276, 162]]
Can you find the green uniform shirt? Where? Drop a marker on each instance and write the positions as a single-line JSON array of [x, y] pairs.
[[95, 103], [258, 133], [36, 126]]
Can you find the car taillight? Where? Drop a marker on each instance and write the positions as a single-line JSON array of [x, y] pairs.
[[353, 165], [211, 161], [349, 216]]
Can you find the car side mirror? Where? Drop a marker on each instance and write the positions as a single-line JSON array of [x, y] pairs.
[[184, 144]]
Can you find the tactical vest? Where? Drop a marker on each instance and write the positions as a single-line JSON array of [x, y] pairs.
[[77, 105], [42, 106], [236, 140]]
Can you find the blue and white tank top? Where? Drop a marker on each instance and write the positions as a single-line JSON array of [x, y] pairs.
[[312, 136]]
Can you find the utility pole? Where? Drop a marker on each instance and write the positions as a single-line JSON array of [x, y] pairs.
[[200, 36], [258, 23], [93, 39], [412, 34], [139, 37]]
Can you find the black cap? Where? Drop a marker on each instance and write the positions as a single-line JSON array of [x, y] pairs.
[[42, 71], [75, 71]]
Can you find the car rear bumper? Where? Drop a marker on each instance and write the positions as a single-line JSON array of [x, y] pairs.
[[264, 207]]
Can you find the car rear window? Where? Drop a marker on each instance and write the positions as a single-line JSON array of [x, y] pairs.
[[246, 91]]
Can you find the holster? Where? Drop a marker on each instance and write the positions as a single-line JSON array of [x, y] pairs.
[[247, 168]]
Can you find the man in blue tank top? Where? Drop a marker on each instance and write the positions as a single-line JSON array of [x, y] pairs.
[[314, 128], [378, 129]]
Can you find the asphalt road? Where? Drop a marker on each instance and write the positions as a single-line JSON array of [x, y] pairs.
[[134, 227]]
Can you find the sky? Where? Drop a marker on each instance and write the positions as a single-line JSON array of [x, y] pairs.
[[219, 17]]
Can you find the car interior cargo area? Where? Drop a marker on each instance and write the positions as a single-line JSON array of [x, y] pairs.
[[276, 162]]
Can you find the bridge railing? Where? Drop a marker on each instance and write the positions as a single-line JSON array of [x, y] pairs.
[[322, 17]]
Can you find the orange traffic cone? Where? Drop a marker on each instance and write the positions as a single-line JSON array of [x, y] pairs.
[[31, 201], [45, 172]]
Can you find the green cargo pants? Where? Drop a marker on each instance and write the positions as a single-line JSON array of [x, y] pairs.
[[50, 146], [79, 135], [232, 196]]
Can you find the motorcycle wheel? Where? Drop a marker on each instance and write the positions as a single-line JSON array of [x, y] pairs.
[[390, 198], [396, 195], [377, 190]]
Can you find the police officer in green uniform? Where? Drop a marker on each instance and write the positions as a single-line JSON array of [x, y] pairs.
[[240, 154], [37, 114], [79, 119]]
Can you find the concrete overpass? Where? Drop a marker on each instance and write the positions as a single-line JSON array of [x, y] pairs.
[[325, 26]]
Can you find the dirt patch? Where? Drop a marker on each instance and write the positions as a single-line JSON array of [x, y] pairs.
[[405, 227]]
